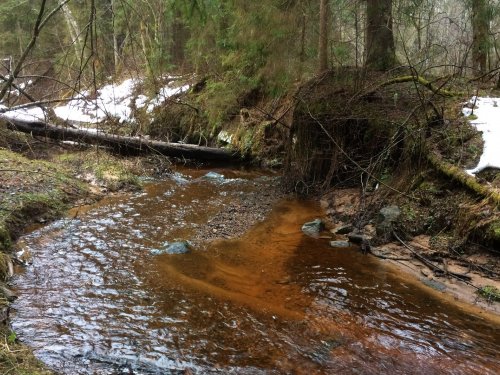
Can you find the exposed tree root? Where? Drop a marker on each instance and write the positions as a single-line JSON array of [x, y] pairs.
[[420, 80]]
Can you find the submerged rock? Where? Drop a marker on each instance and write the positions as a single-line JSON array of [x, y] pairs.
[[181, 247], [214, 176], [341, 244], [313, 228]]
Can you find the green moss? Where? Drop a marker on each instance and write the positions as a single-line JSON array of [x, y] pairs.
[[103, 169], [34, 190]]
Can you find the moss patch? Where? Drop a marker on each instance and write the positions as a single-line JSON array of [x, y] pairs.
[[31, 191], [103, 170]]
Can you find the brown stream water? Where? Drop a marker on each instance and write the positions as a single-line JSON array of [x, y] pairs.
[[95, 300]]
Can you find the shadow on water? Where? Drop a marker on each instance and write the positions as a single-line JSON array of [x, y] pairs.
[[95, 301]]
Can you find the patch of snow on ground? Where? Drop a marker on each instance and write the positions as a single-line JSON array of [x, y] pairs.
[[114, 101], [487, 111], [24, 114]]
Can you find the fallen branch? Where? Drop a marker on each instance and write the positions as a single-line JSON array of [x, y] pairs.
[[436, 269], [122, 144]]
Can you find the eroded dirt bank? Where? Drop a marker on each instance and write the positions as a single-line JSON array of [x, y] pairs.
[[467, 275]]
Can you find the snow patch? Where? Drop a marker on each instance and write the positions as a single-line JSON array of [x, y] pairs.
[[487, 111], [24, 114], [114, 101]]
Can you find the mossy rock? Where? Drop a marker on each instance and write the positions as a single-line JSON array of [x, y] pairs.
[[492, 233], [5, 264]]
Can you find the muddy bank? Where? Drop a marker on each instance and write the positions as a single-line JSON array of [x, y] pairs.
[[466, 274]]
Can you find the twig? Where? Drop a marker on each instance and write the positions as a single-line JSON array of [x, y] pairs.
[[464, 278]]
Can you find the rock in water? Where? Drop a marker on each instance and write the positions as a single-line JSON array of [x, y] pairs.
[[313, 228], [181, 247], [340, 244], [214, 176]]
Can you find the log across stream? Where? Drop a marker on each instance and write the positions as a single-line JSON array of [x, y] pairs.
[[96, 300]]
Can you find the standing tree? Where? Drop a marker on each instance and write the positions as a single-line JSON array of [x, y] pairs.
[[480, 37], [323, 35], [379, 48]]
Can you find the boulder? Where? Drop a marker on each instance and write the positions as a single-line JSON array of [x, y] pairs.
[[181, 247], [313, 228], [225, 137], [386, 219]]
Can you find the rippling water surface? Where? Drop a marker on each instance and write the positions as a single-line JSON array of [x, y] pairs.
[[96, 301]]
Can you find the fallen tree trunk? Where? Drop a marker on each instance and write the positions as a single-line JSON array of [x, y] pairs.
[[457, 174], [122, 144]]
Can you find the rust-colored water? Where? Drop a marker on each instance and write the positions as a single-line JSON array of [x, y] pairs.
[[95, 301]]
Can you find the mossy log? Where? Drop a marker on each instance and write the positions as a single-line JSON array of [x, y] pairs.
[[420, 80], [122, 144], [457, 174]]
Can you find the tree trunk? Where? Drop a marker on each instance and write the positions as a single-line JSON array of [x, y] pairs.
[[480, 43], [107, 36], [379, 48], [180, 36], [323, 36], [73, 29], [127, 145]]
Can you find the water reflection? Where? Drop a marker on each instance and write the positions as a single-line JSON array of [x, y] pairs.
[[95, 301]]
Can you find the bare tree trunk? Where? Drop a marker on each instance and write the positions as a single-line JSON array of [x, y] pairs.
[[379, 49], [116, 52], [323, 35], [73, 28], [303, 38], [480, 26], [180, 36]]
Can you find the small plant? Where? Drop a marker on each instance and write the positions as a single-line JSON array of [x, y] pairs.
[[491, 293], [11, 339]]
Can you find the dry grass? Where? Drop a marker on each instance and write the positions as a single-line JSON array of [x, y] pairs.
[[17, 359]]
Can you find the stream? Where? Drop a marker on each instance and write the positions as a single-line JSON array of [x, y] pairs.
[[95, 299]]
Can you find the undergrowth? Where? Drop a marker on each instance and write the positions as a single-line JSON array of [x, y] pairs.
[[490, 293]]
